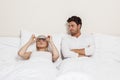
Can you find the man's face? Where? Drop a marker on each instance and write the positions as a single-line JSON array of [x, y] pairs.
[[73, 28]]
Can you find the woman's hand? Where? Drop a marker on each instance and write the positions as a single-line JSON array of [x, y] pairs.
[[49, 38], [55, 53], [32, 39]]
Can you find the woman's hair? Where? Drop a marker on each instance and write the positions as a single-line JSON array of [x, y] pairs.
[[76, 19]]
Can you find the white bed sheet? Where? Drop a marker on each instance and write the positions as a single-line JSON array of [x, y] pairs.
[[26, 70], [90, 68], [8, 49], [13, 69]]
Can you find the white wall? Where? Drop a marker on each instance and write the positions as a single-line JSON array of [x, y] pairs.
[[49, 16]]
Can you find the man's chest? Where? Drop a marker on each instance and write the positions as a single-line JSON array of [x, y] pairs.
[[78, 43]]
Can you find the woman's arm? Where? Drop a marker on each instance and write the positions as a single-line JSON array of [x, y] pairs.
[[22, 52], [55, 53]]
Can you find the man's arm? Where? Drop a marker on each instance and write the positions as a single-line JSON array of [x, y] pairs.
[[66, 52], [88, 50], [80, 52]]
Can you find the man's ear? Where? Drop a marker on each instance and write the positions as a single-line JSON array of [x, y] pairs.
[[79, 26]]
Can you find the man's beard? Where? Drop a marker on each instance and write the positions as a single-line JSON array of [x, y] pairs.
[[74, 32]]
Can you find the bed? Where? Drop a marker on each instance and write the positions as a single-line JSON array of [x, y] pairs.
[[104, 65], [13, 67]]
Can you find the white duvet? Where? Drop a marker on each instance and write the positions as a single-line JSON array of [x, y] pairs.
[[76, 69], [37, 68], [74, 76], [88, 69]]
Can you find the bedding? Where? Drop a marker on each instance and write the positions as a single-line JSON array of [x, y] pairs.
[[104, 65], [93, 70], [74, 76], [107, 47], [33, 69], [12, 67], [8, 52], [8, 49], [42, 70]]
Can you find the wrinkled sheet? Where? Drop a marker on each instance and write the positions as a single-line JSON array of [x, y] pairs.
[[89, 69], [26, 70]]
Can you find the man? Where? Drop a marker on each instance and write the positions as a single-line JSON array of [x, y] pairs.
[[77, 44]]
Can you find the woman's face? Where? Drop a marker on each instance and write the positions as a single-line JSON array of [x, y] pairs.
[[41, 43]]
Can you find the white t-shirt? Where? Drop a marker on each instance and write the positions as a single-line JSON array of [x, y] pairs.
[[83, 41], [40, 55]]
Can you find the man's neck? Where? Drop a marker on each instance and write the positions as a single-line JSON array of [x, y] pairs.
[[76, 35]]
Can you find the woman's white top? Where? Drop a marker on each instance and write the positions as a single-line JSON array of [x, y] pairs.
[[41, 55]]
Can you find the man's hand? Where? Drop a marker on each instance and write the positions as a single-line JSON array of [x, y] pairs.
[[75, 50], [80, 52]]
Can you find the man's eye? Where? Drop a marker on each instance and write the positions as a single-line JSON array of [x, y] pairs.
[[72, 25]]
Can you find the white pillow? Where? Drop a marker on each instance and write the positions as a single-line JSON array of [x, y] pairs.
[[6, 42], [107, 46], [25, 36], [106, 42], [8, 49]]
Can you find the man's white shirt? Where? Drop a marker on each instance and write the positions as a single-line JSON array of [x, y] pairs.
[[85, 41]]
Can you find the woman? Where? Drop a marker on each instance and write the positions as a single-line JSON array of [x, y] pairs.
[[42, 43], [37, 65]]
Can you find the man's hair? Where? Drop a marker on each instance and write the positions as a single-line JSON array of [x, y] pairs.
[[76, 19]]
